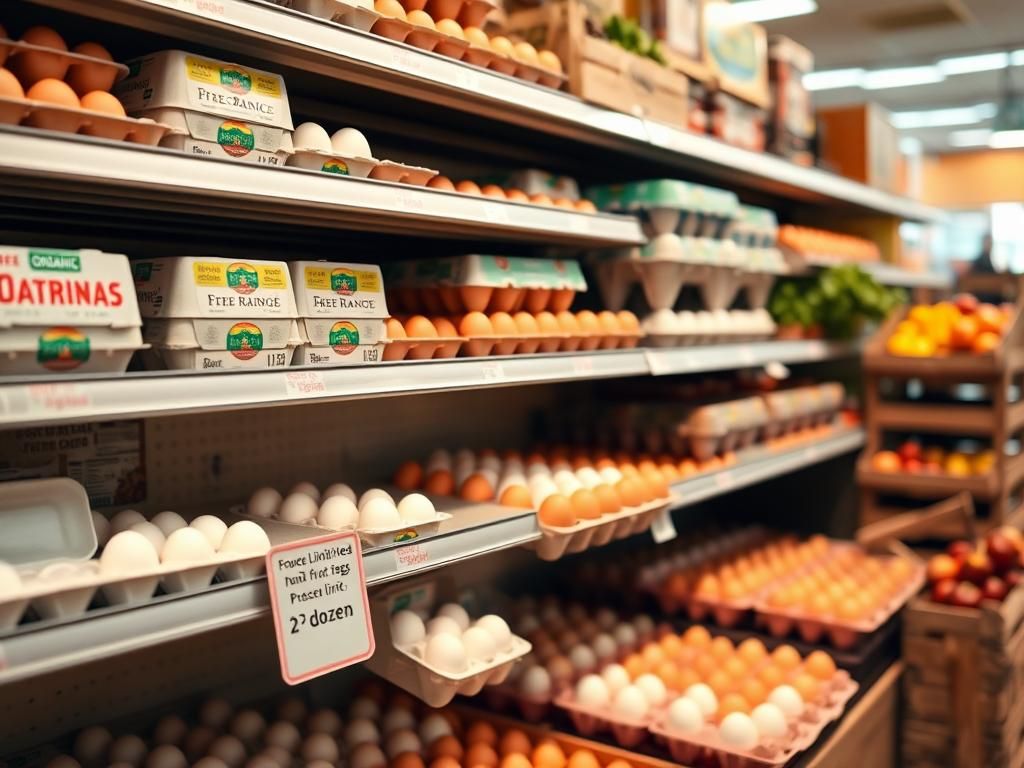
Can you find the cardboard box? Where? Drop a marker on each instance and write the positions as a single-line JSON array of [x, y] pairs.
[[342, 311], [220, 109], [215, 313], [736, 53], [66, 310], [860, 143], [791, 126]]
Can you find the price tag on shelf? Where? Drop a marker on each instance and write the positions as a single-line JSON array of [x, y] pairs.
[[406, 61], [305, 384], [64, 399], [411, 556], [321, 611], [663, 529], [492, 372], [579, 224], [583, 366]]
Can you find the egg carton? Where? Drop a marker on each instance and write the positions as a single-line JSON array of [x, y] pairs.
[[505, 698], [360, 16], [399, 173], [435, 347], [59, 62], [469, 13], [843, 635], [803, 732], [671, 206], [401, 31], [443, 299], [40, 114], [405, 665], [556, 541], [723, 427], [329, 162], [801, 407]]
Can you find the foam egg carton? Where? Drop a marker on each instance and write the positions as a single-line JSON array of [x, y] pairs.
[[406, 665], [359, 14]]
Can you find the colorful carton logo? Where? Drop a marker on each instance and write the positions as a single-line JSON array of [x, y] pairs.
[[236, 80], [339, 167], [408, 535], [62, 348], [245, 340], [236, 138], [242, 278], [55, 261], [343, 337], [142, 271], [344, 281]]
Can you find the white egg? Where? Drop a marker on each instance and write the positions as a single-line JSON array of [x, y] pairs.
[[652, 688], [684, 716], [245, 538], [786, 698], [446, 653], [283, 734], [153, 534], [738, 730], [311, 137], [538, 470], [464, 456], [567, 486], [439, 459], [378, 514], [215, 713], [535, 682], [361, 731], [527, 625], [349, 142], [631, 703], [264, 503], [461, 474], [337, 513], [644, 625], [168, 521], [166, 756], [212, 527], [320, 747], [128, 553], [441, 625], [770, 720], [611, 475], [124, 520], [367, 756], [605, 647], [339, 489], [616, 677], [686, 321], [456, 612], [661, 321], [365, 707], [402, 740], [433, 727], [479, 644], [324, 720], [490, 476], [589, 476], [128, 749], [91, 744], [416, 508], [498, 628], [101, 525], [186, 545], [513, 478], [703, 697], [298, 508], [407, 628], [592, 691], [170, 729], [583, 658], [625, 635], [307, 488], [490, 463]]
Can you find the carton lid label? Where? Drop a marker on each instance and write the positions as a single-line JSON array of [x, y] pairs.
[[226, 288], [233, 90], [333, 289]]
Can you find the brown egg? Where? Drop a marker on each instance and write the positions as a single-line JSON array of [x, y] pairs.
[[440, 483], [419, 327], [481, 754], [446, 761], [516, 496], [564, 202], [516, 760], [409, 476], [517, 195], [608, 499], [583, 758], [10, 88], [86, 77], [407, 760], [493, 190], [59, 94], [541, 199], [476, 488], [585, 206], [556, 511], [561, 670], [786, 657], [101, 101], [514, 741], [585, 504], [441, 182], [32, 66], [548, 754], [504, 325], [468, 187]]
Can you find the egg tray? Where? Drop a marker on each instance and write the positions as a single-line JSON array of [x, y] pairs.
[[350, 14], [68, 592], [781, 622], [443, 299], [68, 59], [482, 346], [433, 348], [556, 542], [669, 340], [40, 114], [280, 531], [328, 162], [469, 13], [505, 698]]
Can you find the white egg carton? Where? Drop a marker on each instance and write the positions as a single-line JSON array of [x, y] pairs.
[[196, 133], [329, 162], [406, 667], [359, 15], [66, 59], [40, 114], [556, 542]]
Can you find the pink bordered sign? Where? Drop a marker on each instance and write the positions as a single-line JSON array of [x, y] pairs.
[[321, 611]]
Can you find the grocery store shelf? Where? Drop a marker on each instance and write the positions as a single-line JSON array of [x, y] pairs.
[[262, 32], [762, 463], [37, 401], [52, 166], [42, 647], [943, 419]]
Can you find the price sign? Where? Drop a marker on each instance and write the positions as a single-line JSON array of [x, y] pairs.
[[663, 529], [321, 611], [305, 384], [411, 556]]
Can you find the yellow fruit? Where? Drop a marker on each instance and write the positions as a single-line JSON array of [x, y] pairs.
[[907, 328], [900, 344], [983, 463], [921, 315], [923, 347], [958, 465]]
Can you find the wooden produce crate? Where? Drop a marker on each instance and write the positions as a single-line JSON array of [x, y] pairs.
[[600, 71]]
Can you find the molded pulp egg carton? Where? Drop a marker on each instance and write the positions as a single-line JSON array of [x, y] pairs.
[[801, 407], [555, 541], [842, 634], [406, 667], [755, 231], [339, 160], [667, 328], [722, 427], [61, 579], [358, 14]]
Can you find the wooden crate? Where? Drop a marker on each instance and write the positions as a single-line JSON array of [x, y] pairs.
[[600, 71], [964, 673]]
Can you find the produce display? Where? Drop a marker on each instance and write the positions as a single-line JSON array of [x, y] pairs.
[[963, 325], [912, 458], [823, 245], [968, 573]]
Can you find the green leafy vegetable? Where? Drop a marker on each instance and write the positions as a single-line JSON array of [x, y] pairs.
[[627, 34]]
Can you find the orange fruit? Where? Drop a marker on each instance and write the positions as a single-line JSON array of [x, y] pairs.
[[986, 341], [965, 329]]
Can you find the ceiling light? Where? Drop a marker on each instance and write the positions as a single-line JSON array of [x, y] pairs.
[[937, 118], [829, 79], [1017, 58], [974, 137], [900, 77], [1007, 139], [982, 62], [766, 10], [1008, 125]]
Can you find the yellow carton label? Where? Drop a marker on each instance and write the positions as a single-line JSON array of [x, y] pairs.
[[239, 276], [232, 77], [342, 280], [202, 70]]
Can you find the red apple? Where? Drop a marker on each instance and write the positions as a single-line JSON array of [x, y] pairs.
[[942, 591], [966, 303], [960, 550], [1001, 551], [914, 466], [1013, 535], [911, 449], [942, 567], [994, 588], [976, 567], [966, 595]]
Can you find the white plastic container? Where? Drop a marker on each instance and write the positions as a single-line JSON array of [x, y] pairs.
[[66, 310], [210, 313]]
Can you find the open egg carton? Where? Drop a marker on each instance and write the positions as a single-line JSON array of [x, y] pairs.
[[47, 86], [558, 541], [62, 578], [801, 407], [347, 153], [376, 517], [668, 328], [433, 649], [358, 14]]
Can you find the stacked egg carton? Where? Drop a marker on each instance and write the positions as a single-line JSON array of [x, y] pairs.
[[44, 85], [358, 14], [698, 236], [346, 152], [136, 555]]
